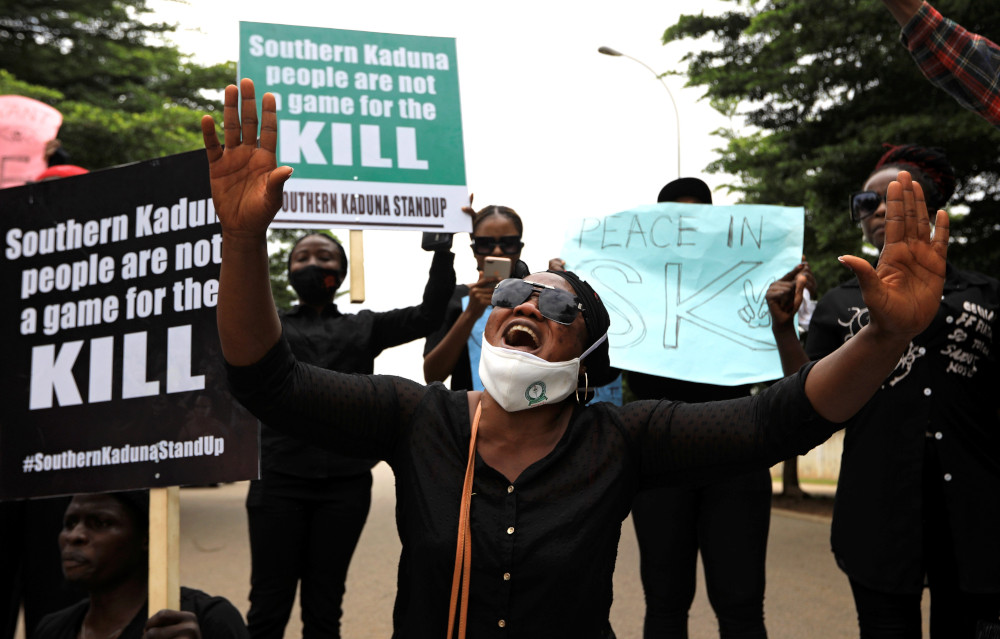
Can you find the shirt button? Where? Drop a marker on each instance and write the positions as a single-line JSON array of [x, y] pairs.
[[510, 489], [947, 476], [949, 319], [510, 531], [922, 350], [938, 435], [927, 392], [506, 576], [502, 623]]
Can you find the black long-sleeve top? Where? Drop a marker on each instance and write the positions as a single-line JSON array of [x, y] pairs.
[[543, 546], [350, 344]]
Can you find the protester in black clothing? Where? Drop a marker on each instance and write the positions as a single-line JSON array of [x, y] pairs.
[[554, 478], [104, 548], [308, 509], [727, 520], [453, 349], [917, 496]]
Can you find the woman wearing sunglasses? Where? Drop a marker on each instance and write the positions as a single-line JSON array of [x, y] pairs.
[[917, 496], [453, 350], [547, 480]]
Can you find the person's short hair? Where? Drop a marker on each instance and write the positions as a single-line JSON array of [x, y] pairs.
[[685, 187]]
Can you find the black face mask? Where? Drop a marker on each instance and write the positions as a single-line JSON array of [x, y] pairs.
[[315, 285]]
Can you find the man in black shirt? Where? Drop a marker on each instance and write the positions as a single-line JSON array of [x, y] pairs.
[[104, 548]]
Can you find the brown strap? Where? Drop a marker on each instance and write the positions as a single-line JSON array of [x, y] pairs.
[[463, 546]]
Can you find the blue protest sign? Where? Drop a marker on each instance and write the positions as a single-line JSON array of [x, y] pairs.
[[685, 286]]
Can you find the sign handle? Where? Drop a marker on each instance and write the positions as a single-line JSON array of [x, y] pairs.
[[164, 549], [357, 267]]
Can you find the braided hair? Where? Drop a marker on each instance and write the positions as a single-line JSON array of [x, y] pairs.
[[929, 167]]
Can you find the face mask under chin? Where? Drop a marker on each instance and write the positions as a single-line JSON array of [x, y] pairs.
[[518, 380]]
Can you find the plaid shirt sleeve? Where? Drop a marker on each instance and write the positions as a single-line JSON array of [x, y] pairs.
[[964, 64]]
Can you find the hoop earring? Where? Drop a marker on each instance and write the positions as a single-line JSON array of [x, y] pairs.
[[586, 389]]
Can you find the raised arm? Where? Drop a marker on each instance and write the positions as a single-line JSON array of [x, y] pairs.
[[246, 190], [902, 10], [902, 294]]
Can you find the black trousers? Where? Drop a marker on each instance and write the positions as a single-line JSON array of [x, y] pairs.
[[302, 531], [954, 612], [728, 522]]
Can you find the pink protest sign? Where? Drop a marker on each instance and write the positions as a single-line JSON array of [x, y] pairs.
[[25, 126]]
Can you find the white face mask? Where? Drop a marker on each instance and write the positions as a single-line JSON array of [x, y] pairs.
[[519, 380]]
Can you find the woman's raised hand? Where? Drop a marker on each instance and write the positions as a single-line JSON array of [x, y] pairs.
[[246, 181], [903, 292]]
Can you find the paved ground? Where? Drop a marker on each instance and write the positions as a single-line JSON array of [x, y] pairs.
[[807, 595]]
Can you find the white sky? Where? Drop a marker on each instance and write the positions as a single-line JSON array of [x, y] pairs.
[[552, 128]]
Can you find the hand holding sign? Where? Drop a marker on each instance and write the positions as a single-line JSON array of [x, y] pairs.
[[246, 183], [903, 291], [784, 297]]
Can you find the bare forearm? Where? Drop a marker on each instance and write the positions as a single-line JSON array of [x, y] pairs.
[[248, 322], [902, 10], [441, 361], [843, 381], [793, 356]]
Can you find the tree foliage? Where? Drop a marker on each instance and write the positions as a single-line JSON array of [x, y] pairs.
[[822, 88], [125, 93]]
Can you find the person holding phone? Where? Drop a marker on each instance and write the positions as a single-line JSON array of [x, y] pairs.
[[454, 348]]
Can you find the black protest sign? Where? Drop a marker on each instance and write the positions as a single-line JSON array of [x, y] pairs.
[[112, 372]]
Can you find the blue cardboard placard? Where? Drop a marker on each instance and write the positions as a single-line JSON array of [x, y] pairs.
[[685, 286]]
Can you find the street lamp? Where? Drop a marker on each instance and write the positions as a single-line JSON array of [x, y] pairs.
[[677, 115]]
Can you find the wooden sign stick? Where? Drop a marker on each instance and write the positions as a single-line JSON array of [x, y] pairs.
[[357, 262], [164, 549]]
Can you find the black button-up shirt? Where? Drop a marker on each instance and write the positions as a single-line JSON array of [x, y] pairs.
[[945, 393], [543, 546]]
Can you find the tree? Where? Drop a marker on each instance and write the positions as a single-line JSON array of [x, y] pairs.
[[822, 93], [824, 85], [125, 93]]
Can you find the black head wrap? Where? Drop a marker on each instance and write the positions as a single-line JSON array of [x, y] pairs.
[[597, 321]]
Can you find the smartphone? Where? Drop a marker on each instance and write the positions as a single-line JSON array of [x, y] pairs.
[[498, 267]]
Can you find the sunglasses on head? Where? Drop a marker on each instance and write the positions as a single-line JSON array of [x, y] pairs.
[[553, 303], [509, 244], [865, 203]]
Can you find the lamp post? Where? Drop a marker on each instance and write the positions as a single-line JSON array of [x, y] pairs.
[[677, 115]]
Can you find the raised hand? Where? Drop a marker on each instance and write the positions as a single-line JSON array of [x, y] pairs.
[[246, 181], [903, 291], [784, 296]]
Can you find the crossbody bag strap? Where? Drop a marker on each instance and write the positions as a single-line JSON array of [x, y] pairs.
[[463, 545]]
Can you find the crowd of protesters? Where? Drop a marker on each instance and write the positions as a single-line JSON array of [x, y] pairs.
[[554, 473]]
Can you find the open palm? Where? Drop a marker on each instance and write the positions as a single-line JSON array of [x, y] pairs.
[[246, 181]]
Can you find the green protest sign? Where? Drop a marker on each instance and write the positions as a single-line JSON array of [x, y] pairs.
[[371, 123]]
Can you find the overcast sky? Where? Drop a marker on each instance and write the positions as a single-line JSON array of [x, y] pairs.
[[552, 128]]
